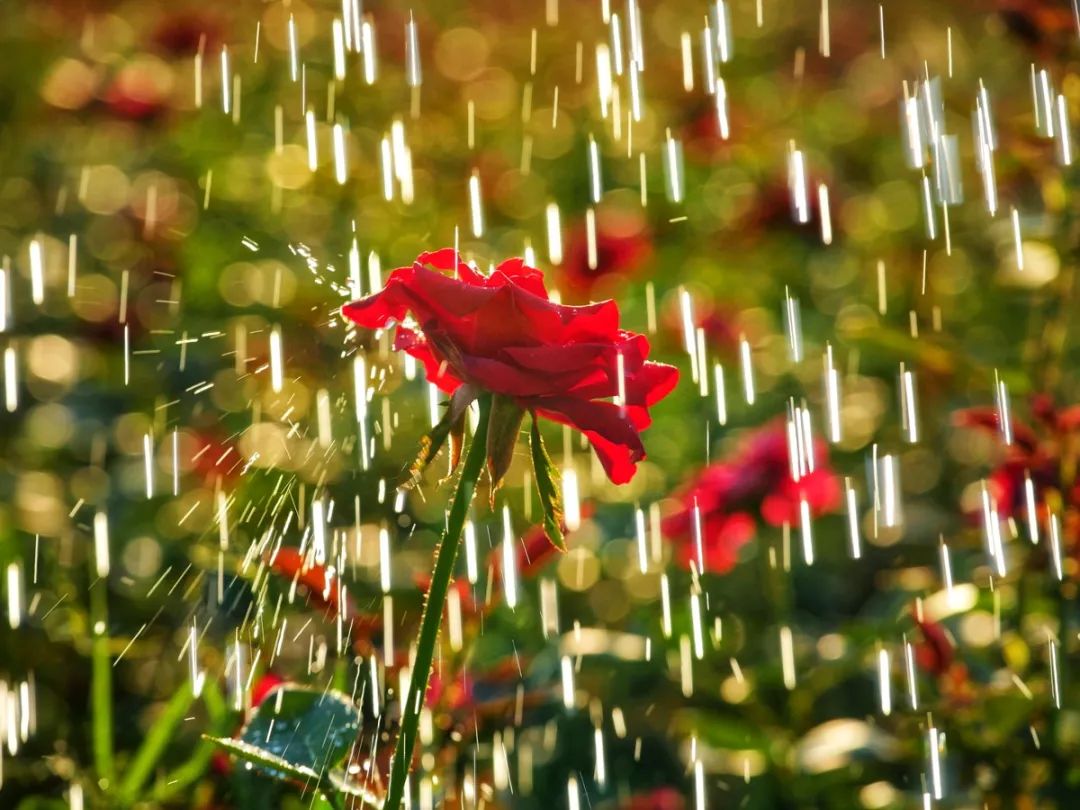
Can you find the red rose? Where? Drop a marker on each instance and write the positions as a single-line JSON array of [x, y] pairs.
[[1037, 452], [757, 479], [263, 687], [622, 248], [324, 592], [987, 419], [502, 334], [321, 584], [722, 535]]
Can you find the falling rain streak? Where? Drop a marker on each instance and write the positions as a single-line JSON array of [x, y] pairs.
[[294, 488]]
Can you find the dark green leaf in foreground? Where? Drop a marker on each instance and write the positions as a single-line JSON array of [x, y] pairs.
[[355, 786], [265, 761], [297, 733]]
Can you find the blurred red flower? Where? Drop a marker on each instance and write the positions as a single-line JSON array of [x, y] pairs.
[[662, 798], [935, 653], [756, 483], [181, 33], [1045, 451], [264, 686], [322, 585], [623, 248], [324, 592], [534, 552], [721, 323], [139, 92], [216, 460], [502, 334], [1043, 24]]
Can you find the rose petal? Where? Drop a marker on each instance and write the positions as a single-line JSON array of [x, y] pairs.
[[612, 436]]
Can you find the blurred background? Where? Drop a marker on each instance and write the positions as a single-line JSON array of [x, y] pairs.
[[852, 223]]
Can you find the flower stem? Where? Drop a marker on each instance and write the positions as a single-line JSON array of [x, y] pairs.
[[176, 781], [101, 683], [154, 744], [445, 557]]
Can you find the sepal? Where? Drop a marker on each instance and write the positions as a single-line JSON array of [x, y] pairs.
[[547, 485]]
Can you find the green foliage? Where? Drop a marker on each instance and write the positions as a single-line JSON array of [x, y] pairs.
[[548, 488], [166, 336], [502, 437], [298, 732]]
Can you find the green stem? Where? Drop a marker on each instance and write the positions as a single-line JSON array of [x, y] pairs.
[[1061, 762], [101, 683], [155, 744], [445, 557], [333, 798], [177, 780]]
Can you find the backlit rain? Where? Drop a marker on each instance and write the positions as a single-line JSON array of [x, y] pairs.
[[835, 565]]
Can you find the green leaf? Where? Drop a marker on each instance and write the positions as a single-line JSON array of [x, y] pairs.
[[720, 729], [265, 761], [154, 744], [39, 803], [547, 485], [452, 425], [503, 428], [297, 733], [176, 781], [351, 786]]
